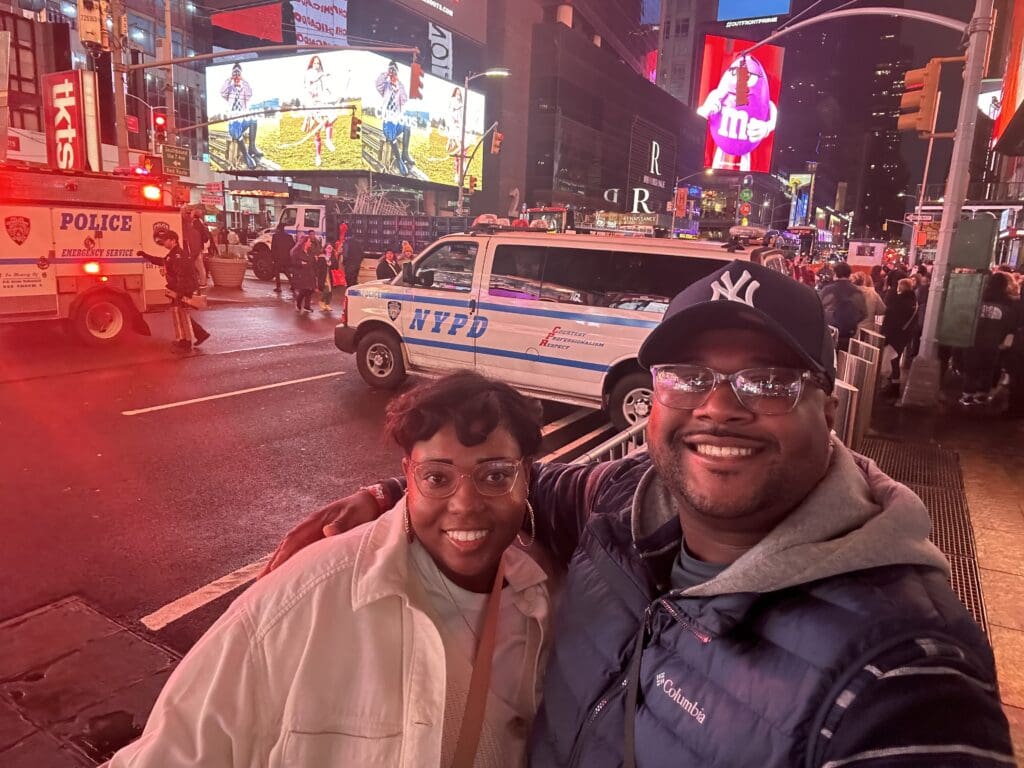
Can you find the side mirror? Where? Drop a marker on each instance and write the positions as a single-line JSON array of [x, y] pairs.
[[408, 277]]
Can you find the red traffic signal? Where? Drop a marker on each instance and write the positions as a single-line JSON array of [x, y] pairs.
[[920, 98], [416, 81], [160, 127], [496, 140], [354, 130]]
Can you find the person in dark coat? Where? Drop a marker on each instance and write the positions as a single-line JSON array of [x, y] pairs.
[[899, 324], [182, 283], [352, 259], [997, 320], [303, 258], [387, 267], [280, 251]]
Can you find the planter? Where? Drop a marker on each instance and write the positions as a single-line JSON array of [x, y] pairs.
[[227, 273]]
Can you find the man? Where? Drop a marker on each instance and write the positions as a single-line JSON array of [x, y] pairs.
[[281, 245], [388, 267], [748, 592], [352, 260], [237, 93], [181, 284], [197, 239], [844, 303]]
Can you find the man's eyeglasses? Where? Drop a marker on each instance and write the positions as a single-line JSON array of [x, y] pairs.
[[766, 391], [437, 480]]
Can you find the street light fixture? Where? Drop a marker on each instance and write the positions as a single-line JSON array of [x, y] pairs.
[[150, 107], [463, 165]]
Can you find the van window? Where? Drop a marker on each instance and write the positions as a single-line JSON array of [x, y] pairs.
[[288, 216], [516, 272], [311, 218], [644, 282], [448, 268]]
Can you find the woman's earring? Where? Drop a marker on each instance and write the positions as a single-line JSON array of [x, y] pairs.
[[533, 527], [408, 524]]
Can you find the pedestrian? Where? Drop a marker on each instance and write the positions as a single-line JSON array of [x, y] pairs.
[[388, 267], [324, 259], [873, 302], [997, 321], [182, 283], [898, 328], [197, 238], [303, 257], [281, 245], [444, 622], [878, 278], [845, 305], [352, 261], [407, 251], [747, 591], [922, 285]]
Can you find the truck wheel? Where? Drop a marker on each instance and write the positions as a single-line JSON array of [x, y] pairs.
[[630, 401], [101, 319], [263, 264], [379, 360]]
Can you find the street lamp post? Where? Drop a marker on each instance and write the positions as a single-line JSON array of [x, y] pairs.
[[492, 72]]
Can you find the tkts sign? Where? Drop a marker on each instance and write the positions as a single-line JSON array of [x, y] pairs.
[[70, 114]]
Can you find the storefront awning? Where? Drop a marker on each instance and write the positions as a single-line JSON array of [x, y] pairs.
[[245, 188]]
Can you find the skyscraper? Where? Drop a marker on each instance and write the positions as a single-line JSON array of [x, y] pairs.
[[681, 39]]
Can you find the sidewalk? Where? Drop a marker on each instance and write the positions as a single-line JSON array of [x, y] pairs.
[[252, 292], [991, 454]]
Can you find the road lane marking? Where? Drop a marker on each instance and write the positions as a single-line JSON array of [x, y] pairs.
[[565, 421], [180, 403], [570, 447], [206, 594]]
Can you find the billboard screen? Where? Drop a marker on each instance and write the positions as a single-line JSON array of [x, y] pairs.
[[741, 113], [733, 10], [294, 114], [465, 17]]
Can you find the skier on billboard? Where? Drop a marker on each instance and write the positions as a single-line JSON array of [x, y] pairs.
[[740, 113]]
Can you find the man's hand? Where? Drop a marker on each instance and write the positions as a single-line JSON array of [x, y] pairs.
[[337, 517]]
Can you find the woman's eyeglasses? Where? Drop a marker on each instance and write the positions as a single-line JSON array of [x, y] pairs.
[[437, 480], [767, 391]]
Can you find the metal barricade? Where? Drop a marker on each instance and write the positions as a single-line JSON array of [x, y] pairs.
[[846, 411], [617, 446], [869, 336], [860, 373]]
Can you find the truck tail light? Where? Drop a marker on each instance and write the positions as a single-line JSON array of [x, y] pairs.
[[152, 192], [344, 309], [91, 267]]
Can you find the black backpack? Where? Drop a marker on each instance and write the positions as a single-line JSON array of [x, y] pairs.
[[845, 313], [181, 272]]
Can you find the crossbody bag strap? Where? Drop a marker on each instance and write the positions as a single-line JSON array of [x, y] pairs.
[[480, 681]]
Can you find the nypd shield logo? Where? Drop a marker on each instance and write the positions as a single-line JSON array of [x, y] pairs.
[[394, 309], [18, 228]]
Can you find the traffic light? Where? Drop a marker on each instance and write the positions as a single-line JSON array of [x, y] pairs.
[[920, 98], [472, 183], [496, 140], [416, 81], [354, 128], [160, 127]]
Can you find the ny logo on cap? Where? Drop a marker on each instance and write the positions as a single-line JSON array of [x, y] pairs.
[[723, 288]]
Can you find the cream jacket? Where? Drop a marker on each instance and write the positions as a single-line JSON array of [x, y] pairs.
[[329, 661]]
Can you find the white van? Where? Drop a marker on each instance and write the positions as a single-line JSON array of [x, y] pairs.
[[558, 316]]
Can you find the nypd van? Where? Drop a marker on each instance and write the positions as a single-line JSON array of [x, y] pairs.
[[558, 316]]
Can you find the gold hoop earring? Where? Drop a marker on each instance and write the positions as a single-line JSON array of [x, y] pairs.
[[408, 524], [533, 527]]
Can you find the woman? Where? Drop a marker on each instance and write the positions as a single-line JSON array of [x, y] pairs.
[[413, 641], [453, 131], [319, 94], [303, 258], [388, 267], [898, 325], [875, 305], [997, 321], [325, 262]]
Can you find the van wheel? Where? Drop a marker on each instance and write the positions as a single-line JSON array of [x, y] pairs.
[[631, 400], [379, 359], [263, 264], [101, 319]]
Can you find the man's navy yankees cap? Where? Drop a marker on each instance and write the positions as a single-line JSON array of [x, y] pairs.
[[746, 295]]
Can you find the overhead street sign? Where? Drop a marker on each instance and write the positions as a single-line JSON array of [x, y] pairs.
[[175, 160], [919, 218]]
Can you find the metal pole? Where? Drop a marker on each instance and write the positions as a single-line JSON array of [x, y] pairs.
[[271, 49], [152, 128], [924, 380], [117, 15], [462, 148], [812, 220], [912, 256], [168, 77]]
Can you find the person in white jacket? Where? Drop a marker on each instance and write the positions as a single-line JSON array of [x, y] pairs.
[[416, 640]]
